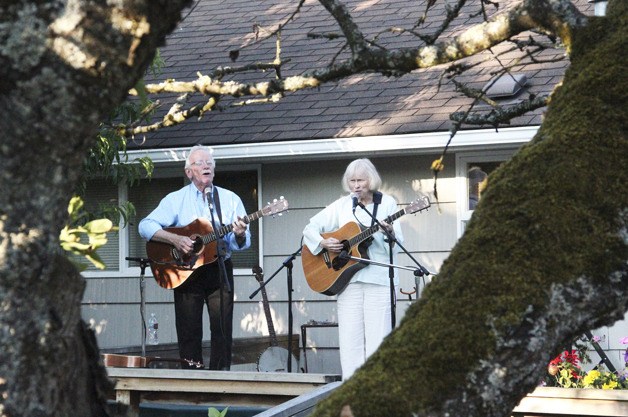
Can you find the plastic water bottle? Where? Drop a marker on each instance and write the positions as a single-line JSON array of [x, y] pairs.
[[153, 326]]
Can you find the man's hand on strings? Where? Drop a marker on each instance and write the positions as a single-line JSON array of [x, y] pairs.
[[239, 228]]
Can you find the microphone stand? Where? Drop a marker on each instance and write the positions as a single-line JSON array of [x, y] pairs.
[[221, 251], [420, 271], [143, 264], [220, 243], [287, 263]]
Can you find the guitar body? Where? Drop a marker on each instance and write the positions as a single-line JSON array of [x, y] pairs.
[[130, 361], [170, 267], [124, 361], [326, 272], [275, 359]]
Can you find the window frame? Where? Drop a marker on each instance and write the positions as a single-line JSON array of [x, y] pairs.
[[464, 160]]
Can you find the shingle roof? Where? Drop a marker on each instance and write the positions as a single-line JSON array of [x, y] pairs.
[[362, 105]]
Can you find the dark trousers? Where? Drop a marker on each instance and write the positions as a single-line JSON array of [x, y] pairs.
[[205, 287]]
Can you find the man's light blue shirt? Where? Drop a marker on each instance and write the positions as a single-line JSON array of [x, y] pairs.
[[182, 207]]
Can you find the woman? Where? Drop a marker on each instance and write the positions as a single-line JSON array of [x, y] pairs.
[[364, 307]]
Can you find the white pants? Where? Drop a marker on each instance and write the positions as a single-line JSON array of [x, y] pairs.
[[363, 322]]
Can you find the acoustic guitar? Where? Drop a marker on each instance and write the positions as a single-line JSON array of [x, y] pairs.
[[328, 273], [274, 358], [132, 361], [171, 267]]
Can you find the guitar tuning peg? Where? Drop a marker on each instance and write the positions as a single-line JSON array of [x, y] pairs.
[[275, 200]]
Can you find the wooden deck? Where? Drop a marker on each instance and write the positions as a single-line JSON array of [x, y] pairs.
[[135, 385]]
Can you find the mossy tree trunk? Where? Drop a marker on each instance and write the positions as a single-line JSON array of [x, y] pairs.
[[64, 66], [543, 259]]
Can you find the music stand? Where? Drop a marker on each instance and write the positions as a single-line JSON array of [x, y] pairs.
[[144, 262]]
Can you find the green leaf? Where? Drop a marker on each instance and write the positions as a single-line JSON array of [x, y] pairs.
[[213, 412], [95, 260], [99, 226], [76, 203]]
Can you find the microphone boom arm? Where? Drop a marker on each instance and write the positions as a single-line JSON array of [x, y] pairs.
[[345, 256]]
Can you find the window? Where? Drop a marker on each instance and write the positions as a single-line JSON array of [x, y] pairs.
[[147, 194], [477, 180], [472, 171]]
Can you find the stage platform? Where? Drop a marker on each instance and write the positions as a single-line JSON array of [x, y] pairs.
[[211, 388]]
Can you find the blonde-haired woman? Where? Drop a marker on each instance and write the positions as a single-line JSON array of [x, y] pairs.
[[364, 306]]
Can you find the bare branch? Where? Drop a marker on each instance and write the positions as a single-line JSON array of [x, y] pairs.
[[451, 13], [501, 115], [352, 33], [271, 33]]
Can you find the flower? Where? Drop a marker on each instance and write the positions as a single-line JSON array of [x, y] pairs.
[[590, 377], [565, 370], [610, 385]]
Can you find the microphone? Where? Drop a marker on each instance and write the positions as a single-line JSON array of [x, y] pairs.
[[355, 201]]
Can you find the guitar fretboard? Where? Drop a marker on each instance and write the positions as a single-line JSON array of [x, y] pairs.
[[223, 230], [371, 230]]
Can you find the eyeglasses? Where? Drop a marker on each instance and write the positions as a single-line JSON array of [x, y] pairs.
[[200, 163]]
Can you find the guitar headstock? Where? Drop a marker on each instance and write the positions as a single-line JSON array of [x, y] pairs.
[[259, 274], [277, 207], [422, 203]]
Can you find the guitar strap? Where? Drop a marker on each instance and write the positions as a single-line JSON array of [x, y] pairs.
[[377, 198], [216, 195]]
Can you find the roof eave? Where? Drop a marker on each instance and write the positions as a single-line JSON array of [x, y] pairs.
[[418, 143]]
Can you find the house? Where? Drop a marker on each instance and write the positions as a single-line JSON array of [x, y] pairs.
[[298, 148]]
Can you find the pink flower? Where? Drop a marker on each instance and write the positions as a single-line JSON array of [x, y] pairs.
[[624, 340]]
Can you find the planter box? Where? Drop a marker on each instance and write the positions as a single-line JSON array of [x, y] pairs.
[[551, 401]]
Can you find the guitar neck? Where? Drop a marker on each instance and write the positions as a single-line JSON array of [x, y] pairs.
[[257, 271], [365, 234], [224, 230], [269, 318]]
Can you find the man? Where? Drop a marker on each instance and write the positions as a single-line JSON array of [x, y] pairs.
[[208, 284]]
